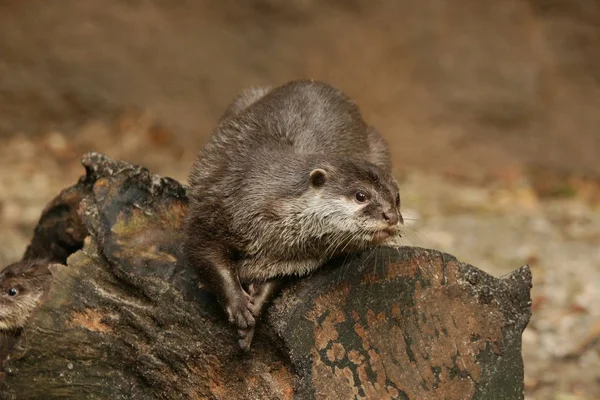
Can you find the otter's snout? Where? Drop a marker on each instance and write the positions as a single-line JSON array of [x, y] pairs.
[[391, 217]]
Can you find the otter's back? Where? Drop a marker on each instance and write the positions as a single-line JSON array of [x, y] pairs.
[[310, 117], [300, 117]]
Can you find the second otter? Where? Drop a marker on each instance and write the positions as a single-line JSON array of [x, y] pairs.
[[21, 286], [291, 177]]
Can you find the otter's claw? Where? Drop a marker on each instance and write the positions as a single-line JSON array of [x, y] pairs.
[[245, 338]]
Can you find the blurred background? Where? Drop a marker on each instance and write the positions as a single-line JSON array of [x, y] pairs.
[[491, 110]]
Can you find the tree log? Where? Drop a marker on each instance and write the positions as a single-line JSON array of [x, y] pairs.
[[125, 318]]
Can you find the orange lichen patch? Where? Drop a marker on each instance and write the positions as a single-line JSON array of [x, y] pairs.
[[432, 344], [211, 370], [336, 352], [252, 383], [396, 311], [329, 304], [425, 350], [371, 277], [327, 331], [101, 184], [260, 384], [101, 188], [193, 394], [362, 333], [175, 214], [422, 265], [333, 383], [198, 391], [90, 320], [391, 271], [355, 357], [373, 389], [283, 380], [243, 381], [195, 391]]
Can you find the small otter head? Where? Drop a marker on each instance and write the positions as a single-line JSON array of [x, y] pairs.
[[21, 286], [359, 200]]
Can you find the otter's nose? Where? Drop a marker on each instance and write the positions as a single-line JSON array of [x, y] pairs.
[[391, 217]]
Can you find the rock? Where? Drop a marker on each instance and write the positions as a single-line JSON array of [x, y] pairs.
[[125, 318]]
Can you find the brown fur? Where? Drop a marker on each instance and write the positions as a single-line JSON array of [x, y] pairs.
[[274, 193], [21, 286]]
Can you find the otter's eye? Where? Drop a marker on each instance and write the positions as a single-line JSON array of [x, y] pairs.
[[398, 200], [12, 291], [361, 197]]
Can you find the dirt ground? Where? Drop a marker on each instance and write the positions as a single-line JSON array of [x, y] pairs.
[[490, 109]]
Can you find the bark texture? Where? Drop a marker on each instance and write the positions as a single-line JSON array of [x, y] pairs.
[[125, 318]]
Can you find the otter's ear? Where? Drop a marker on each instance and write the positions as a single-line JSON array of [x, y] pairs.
[[318, 177]]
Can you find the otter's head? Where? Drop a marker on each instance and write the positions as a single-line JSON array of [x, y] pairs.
[[21, 286], [358, 200]]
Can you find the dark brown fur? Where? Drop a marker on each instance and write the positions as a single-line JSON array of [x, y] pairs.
[[274, 193]]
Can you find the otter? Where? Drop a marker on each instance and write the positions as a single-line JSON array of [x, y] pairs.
[[291, 177], [21, 286]]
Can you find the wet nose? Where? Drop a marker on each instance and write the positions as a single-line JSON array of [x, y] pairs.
[[391, 217]]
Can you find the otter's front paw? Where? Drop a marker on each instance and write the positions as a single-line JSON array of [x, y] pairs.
[[239, 312]]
